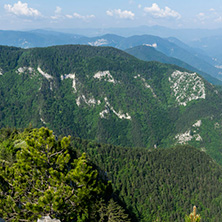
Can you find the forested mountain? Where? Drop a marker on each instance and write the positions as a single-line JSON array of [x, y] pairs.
[[107, 95], [189, 55], [161, 184], [171, 47], [149, 53]]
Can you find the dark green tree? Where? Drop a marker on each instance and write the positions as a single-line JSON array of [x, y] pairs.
[[46, 180]]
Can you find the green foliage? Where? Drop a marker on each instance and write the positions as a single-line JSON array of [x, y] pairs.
[[47, 178], [113, 212], [193, 217], [161, 184]]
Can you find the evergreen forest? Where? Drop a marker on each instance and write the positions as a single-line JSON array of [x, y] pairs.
[[72, 179]]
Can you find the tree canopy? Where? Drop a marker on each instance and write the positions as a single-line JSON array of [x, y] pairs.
[[47, 178]]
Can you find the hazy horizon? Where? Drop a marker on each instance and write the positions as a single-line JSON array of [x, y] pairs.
[[57, 14]]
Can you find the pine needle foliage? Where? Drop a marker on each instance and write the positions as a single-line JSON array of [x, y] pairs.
[[46, 180]]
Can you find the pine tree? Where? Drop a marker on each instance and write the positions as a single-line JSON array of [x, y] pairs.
[[45, 180], [193, 217]]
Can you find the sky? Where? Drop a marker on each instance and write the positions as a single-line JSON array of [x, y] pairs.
[[71, 14]]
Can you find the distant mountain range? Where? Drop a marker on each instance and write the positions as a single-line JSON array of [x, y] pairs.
[[149, 53], [212, 46], [185, 35], [105, 94], [171, 47]]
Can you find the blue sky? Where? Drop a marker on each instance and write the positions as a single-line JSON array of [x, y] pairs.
[[63, 14]]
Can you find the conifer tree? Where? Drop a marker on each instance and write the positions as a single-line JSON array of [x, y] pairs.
[[45, 180], [193, 217]]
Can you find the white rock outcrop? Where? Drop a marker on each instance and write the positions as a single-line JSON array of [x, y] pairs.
[[104, 113], [73, 77], [187, 87], [154, 45], [42, 120], [184, 137], [47, 219], [46, 75], [91, 101], [197, 124], [25, 69], [98, 42], [105, 75], [109, 108], [146, 84]]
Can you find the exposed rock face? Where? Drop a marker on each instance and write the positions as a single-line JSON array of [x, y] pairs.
[[47, 219], [73, 77], [104, 75], [46, 75], [109, 107], [99, 42], [187, 87]]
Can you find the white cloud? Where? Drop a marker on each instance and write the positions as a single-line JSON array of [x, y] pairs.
[[21, 9], [156, 11], [208, 17], [69, 16], [57, 15], [78, 16], [219, 19], [121, 14], [58, 10], [201, 16], [84, 17], [139, 6]]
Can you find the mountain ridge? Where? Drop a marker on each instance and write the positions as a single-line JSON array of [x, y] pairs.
[[149, 53], [105, 94], [169, 46]]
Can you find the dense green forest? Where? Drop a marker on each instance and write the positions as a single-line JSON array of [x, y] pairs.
[[161, 184], [107, 95], [40, 175], [43, 174]]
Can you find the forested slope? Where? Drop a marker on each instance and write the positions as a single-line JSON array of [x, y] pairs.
[[44, 174], [107, 95], [161, 184]]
